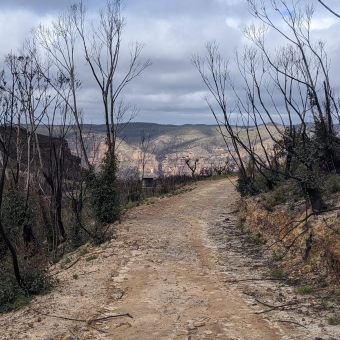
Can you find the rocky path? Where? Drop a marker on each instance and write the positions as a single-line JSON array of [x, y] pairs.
[[162, 274]]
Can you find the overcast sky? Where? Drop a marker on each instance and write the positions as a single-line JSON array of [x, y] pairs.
[[169, 91]]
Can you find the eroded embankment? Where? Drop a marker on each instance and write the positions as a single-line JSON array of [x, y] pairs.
[[307, 245], [290, 264]]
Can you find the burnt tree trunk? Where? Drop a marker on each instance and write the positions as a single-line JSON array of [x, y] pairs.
[[315, 198], [13, 252]]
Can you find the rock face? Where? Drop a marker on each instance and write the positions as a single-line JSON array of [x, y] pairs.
[[166, 162], [49, 147]]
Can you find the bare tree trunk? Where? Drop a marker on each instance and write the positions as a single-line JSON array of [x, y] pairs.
[[13, 252]]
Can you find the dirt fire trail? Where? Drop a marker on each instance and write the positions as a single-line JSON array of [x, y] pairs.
[[163, 270]]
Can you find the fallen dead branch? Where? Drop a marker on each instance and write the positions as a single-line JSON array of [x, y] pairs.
[[277, 306], [73, 263], [271, 307], [292, 322], [58, 316], [110, 317], [88, 321], [254, 279]]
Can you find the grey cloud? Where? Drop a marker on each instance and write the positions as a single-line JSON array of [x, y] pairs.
[[42, 6], [170, 91]]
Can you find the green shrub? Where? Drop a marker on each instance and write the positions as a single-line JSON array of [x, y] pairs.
[[274, 198], [104, 193], [258, 239], [332, 184], [334, 320], [277, 257], [277, 273], [9, 291], [12, 297], [304, 290], [37, 281], [241, 224], [17, 217], [285, 192], [324, 304], [91, 258], [246, 186], [83, 251], [76, 235], [19, 300]]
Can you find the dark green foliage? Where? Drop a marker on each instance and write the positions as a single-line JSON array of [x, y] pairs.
[[256, 182], [19, 219], [11, 297], [334, 320], [77, 238], [241, 224], [91, 258], [17, 216], [277, 257], [246, 186], [327, 146], [277, 273], [35, 278], [104, 192], [287, 191], [9, 291], [332, 184], [3, 249], [273, 199], [304, 290], [76, 235]]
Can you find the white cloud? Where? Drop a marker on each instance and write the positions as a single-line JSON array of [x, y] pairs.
[[14, 28], [323, 23], [233, 23]]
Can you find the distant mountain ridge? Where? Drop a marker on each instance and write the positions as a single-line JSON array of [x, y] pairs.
[[170, 146], [133, 132]]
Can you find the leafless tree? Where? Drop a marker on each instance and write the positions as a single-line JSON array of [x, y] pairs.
[[221, 167], [60, 40], [101, 42], [296, 75], [57, 166], [214, 72], [146, 148], [192, 165], [31, 91]]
